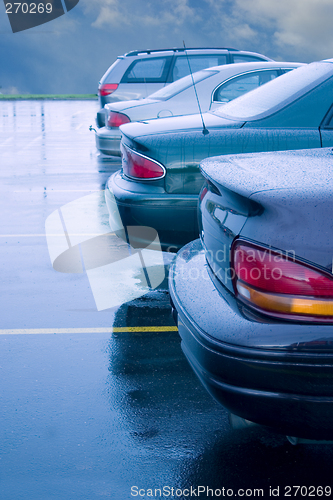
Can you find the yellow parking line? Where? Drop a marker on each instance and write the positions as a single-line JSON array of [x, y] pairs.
[[50, 331], [146, 329]]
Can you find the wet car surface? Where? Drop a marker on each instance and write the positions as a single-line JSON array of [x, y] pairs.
[[160, 180], [213, 87], [265, 229], [94, 403], [139, 73]]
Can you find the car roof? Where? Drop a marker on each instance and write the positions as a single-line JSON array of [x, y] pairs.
[[253, 65], [175, 49], [183, 50]]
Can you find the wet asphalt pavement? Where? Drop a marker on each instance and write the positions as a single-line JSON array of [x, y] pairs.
[[91, 409]]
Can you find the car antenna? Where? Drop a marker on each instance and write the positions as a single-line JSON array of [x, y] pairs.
[[205, 130]]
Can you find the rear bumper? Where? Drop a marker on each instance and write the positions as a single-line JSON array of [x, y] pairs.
[[108, 141], [174, 217], [269, 382]]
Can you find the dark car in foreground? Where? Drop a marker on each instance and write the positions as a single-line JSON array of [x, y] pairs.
[[254, 296], [139, 73], [159, 183]]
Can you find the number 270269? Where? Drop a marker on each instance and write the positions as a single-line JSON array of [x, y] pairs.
[[28, 8]]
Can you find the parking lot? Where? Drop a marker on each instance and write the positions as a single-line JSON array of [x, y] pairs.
[[102, 403]]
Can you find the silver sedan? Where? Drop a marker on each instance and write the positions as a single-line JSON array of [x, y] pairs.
[[212, 87]]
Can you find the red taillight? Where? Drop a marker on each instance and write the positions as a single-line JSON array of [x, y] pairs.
[[278, 284], [107, 89], [139, 166], [117, 119]]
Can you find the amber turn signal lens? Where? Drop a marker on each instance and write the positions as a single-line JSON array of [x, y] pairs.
[[278, 284]]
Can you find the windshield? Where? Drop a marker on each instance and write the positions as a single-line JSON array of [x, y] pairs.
[[180, 85], [277, 93]]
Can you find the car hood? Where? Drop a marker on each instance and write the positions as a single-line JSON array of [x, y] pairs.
[[294, 191], [177, 124]]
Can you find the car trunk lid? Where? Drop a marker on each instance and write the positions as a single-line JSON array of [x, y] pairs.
[[172, 125], [282, 200]]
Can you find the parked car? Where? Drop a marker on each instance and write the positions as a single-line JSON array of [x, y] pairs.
[[160, 179], [142, 72], [213, 87], [254, 298]]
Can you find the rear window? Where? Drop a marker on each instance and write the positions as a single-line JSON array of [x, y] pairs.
[[109, 76], [197, 63], [152, 70], [277, 93], [181, 85]]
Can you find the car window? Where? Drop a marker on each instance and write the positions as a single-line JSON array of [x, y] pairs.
[[184, 83], [239, 85], [238, 58], [152, 70], [277, 93], [197, 63], [109, 72]]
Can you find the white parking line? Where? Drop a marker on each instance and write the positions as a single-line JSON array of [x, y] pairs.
[[42, 235], [55, 191]]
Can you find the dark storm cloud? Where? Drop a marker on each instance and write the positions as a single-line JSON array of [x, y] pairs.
[[71, 53]]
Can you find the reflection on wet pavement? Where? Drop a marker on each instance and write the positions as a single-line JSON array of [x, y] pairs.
[[92, 410]]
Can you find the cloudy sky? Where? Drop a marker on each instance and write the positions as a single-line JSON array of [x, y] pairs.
[[71, 53]]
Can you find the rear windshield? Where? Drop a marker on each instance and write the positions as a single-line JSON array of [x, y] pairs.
[[193, 63], [184, 83], [149, 70], [108, 76], [277, 93]]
